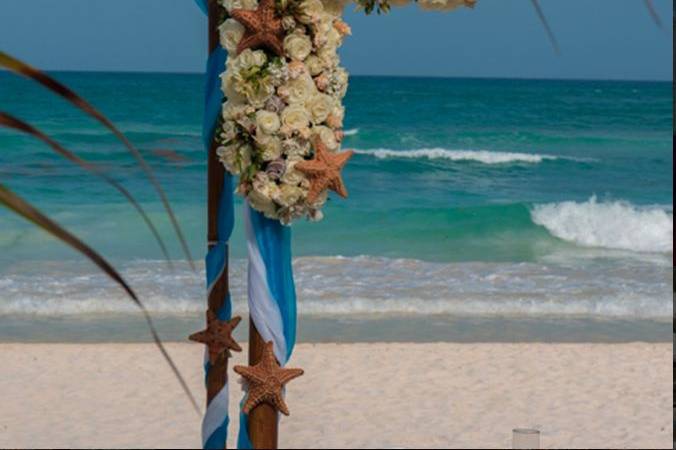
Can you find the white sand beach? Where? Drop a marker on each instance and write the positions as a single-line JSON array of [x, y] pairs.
[[352, 396]]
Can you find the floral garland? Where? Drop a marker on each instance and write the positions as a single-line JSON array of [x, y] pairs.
[[277, 105], [282, 105]]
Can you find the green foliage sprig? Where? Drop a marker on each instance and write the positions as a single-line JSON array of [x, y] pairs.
[[379, 6]]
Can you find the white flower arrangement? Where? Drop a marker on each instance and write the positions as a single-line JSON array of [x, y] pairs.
[[277, 105]]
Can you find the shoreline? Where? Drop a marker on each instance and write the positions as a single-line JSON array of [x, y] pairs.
[[131, 328], [436, 395]]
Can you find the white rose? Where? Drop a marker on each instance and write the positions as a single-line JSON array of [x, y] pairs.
[[234, 110], [298, 46], [335, 119], [269, 147], [319, 106], [259, 97], [314, 65], [295, 117], [261, 203], [341, 77], [309, 11], [229, 88], [328, 56], [236, 158], [231, 33], [327, 136], [333, 38], [250, 58], [228, 156], [300, 89], [289, 195], [228, 131], [267, 122], [339, 111], [320, 29], [244, 154], [257, 93], [293, 177]]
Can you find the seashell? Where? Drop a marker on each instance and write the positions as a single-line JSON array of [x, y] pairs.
[[276, 169], [322, 82], [288, 22], [247, 124], [340, 134], [275, 104], [296, 69]]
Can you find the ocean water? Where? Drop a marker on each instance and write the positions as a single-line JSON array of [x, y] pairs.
[[479, 209]]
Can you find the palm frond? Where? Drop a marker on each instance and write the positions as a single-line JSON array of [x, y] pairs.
[[545, 24], [9, 121], [30, 213], [58, 88]]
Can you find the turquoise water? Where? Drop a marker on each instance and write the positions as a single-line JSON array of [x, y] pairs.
[[468, 197]]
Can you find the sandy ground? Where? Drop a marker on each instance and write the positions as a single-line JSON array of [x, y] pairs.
[[352, 396]]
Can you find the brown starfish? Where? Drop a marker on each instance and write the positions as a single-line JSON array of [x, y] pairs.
[[324, 170], [218, 336], [262, 28], [266, 381]]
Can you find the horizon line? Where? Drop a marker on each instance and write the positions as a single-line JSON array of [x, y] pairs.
[[486, 77]]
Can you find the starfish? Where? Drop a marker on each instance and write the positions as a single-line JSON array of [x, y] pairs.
[[262, 28], [218, 336], [324, 170], [266, 381]]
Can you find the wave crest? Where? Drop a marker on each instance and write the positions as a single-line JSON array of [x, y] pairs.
[[482, 156], [614, 225]]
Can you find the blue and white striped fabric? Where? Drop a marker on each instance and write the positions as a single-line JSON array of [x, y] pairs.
[[272, 295], [216, 420]]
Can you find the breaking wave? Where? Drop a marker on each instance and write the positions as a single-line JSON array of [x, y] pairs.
[[614, 225]]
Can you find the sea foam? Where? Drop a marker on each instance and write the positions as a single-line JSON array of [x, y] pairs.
[[482, 156], [360, 286], [614, 225]]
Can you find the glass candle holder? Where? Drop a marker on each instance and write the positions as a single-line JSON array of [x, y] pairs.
[[525, 438]]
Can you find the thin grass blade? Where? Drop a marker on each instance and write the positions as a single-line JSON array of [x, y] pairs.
[[545, 24], [28, 212], [58, 88], [12, 122], [653, 12], [170, 155]]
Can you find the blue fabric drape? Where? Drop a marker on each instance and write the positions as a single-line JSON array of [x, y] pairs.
[[217, 257], [273, 243]]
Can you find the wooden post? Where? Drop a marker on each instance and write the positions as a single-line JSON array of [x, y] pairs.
[[218, 373], [262, 419]]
